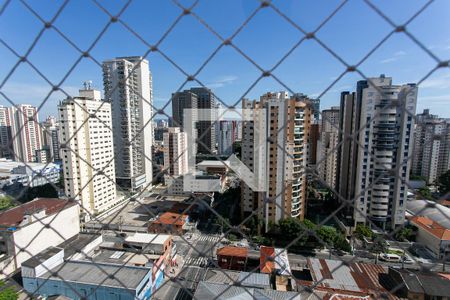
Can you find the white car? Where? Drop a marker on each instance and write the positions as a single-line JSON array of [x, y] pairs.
[[390, 257], [407, 260]]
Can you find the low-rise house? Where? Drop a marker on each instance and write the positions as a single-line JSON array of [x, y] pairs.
[[353, 280], [30, 228], [232, 258], [432, 235], [418, 285], [170, 223]]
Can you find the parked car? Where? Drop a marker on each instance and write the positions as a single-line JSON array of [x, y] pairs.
[[390, 257], [407, 260]]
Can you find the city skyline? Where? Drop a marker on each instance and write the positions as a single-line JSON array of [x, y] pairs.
[[229, 74]]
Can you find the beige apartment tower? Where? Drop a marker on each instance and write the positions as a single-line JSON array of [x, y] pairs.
[[287, 122], [87, 151]]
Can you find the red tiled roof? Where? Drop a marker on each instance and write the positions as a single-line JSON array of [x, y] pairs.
[[233, 251], [170, 218], [15, 215], [432, 227], [266, 264], [445, 202]]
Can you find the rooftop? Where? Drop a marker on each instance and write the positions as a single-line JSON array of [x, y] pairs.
[[41, 257], [233, 251], [88, 273], [266, 264], [213, 163], [431, 209], [353, 277], [147, 238], [257, 280], [7, 165], [424, 282], [14, 216], [207, 290], [432, 227], [170, 218], [221, 276]]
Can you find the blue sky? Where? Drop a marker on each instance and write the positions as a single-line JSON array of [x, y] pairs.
[[310, 69]]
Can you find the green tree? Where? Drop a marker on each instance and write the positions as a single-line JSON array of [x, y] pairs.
[[426, 193], [6, 202], [327, 234], [362, 231], [404, 234], [7, 293], [379, 245], [443, 183], [341, 243], [292, 228]]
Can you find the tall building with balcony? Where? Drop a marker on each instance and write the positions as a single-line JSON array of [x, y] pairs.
[[87, 151], [374, 165], [175, 152], [328, 145], [431, 155], [287, 122], [128, 86], [6, 146], [25, 132]]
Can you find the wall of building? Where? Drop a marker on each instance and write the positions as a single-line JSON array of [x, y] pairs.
[[36, 238]]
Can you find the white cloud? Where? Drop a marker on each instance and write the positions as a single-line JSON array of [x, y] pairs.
[[441, 99], [440, 82], [388, 60], [222, 81], [20, 92], [34, 94], [393, 58]]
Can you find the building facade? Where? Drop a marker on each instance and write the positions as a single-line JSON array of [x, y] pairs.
[[23, 227], [431, 155], [50, 138], [175, 152], [227, 136], [88, 152], [6, 146], [377, 138], [21, 132], [128, 86], [287, 121], [327, 146], [197, 99]]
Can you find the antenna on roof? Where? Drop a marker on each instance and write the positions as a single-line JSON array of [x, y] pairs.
[[87, 84]]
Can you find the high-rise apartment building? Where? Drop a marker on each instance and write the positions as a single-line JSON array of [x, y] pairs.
[[287, 120], [25, 132], [87, 151], [316, 109], [6, 146], [376, 135], [327, 146], [50, 138], [227, 136], [431, 156], [206, 128], [180, 101], [175, 152], [128, 86], [197, 99]]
